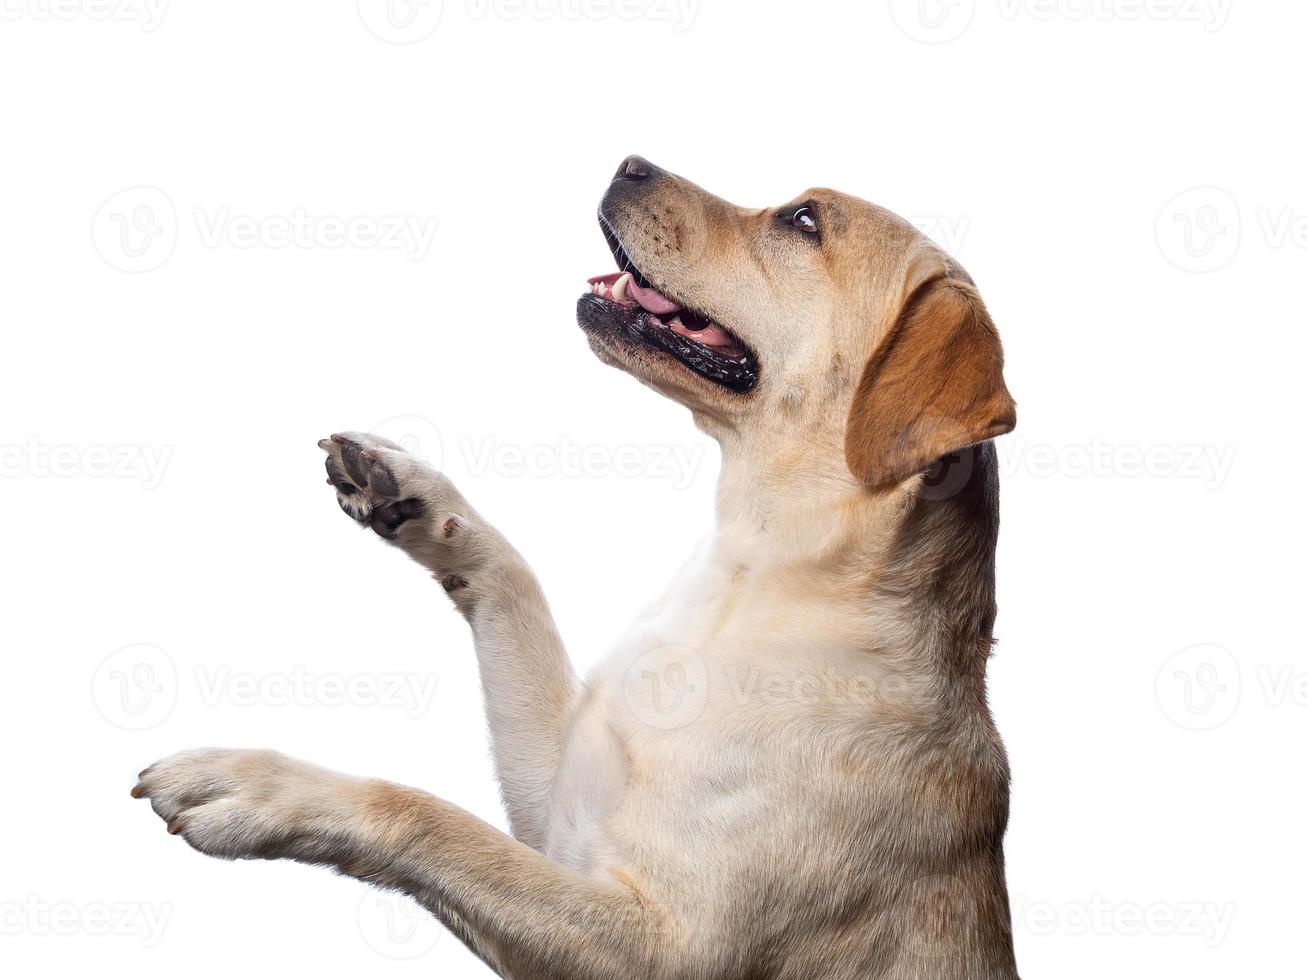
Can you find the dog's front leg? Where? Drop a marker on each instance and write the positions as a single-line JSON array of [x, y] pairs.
[[523, 914], [528, 682]]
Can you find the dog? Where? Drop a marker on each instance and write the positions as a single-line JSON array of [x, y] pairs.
[[787, 768]]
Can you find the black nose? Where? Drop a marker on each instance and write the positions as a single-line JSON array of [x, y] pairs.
[[635, 168]]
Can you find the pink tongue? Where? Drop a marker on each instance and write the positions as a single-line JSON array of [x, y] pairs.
[[652, 300], [649, 299], [711, 336], [659, 305]]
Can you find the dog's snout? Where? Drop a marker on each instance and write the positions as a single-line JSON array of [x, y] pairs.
[[635, 168], [635, 179]]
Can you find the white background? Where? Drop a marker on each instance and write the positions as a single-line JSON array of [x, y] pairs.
[[1123, 179]]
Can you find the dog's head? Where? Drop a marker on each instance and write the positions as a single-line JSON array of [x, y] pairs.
[[827, 324]]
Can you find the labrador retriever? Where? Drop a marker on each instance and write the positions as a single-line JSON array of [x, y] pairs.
[[786, 769]]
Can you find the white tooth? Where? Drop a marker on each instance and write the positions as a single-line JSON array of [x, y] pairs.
[[619, 287], [676, 321]]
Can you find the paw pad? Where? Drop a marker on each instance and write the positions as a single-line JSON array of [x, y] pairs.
[[367, 487]]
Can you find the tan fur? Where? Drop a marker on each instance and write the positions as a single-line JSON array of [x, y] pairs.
[[786, 768], [933, 387]]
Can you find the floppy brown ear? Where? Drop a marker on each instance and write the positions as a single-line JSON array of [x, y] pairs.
[[934, 386]]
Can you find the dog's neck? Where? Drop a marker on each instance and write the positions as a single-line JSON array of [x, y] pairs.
[[802, 502], [929, 542]]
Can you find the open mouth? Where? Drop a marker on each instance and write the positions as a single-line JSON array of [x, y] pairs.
[[627, 302]]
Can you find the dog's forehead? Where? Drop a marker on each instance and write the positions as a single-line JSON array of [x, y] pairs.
[[845, 215], [868, 249]]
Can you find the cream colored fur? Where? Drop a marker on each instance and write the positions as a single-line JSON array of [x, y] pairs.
[[770, 775]]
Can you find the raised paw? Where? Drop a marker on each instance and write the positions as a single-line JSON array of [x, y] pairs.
[[238, 803], [379, 484], [406, 502]]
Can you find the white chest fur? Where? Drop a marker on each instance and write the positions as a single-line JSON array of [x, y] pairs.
[[682, 718], [652, 685]]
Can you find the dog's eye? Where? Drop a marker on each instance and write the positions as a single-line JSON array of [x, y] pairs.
[[803, 219]]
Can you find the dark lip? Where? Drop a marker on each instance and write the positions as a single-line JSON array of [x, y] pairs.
[[594, 313]]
